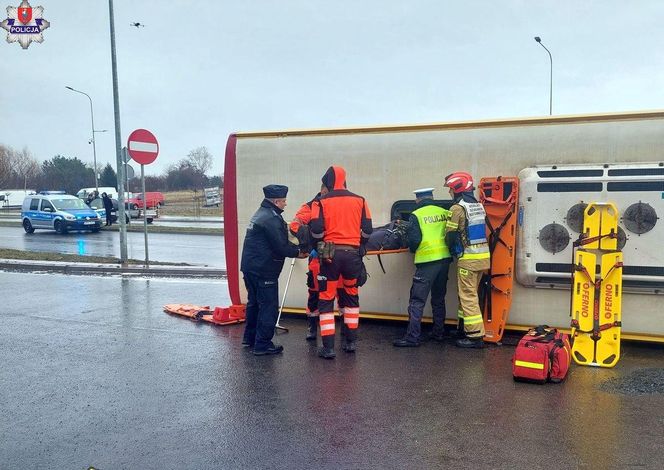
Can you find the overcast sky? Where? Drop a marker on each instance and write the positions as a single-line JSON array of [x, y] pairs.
[[200, 70]]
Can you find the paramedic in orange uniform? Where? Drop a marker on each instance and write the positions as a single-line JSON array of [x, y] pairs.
[[342, 218], [299, 227]]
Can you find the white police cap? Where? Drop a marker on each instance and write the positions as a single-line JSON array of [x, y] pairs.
[[424, 192]]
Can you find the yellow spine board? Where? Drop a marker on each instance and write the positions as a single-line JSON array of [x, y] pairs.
[[600, 220], [596, 304], [610, 303], [583, 303]]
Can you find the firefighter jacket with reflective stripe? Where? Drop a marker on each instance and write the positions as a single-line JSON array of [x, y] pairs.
[[430, 221], [468, 218], [266, 243], [340, 216]]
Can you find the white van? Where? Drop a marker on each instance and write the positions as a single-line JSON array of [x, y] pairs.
[[212, 197], [112, 192], [14, 197]]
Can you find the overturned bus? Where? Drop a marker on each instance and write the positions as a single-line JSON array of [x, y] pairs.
[[562, 163]]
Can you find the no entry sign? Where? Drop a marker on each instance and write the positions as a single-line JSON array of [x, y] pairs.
[[142, 146]]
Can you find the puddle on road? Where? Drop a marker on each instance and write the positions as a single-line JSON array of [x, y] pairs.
[[648, 381]]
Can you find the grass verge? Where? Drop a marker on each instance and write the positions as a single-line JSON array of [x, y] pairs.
[[6, 253]]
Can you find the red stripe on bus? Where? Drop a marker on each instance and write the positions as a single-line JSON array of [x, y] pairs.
[[230, 221]]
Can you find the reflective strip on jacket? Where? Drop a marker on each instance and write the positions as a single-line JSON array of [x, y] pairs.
[[432, 220], [460, 222]]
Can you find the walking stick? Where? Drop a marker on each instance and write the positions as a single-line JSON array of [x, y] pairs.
[[283, 299]]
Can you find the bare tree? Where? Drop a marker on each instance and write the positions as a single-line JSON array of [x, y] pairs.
[[201, 159], [24, 166], [5, 166]]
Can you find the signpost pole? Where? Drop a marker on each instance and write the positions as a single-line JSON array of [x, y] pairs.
[[143, 148], [122, 218], [145, 216]]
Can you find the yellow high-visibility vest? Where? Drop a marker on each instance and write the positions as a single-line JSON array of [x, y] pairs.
[[432, 220]]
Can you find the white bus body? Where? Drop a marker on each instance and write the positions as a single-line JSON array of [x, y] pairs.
[[561, 161]]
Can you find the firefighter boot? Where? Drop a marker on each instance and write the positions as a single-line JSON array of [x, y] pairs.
[[460, 332], [312, 329], [350, 339], [326, 351]]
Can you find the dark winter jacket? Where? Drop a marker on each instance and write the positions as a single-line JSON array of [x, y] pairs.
[[266, 243], [108, 204]]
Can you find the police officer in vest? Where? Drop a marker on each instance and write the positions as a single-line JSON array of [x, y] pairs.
[[265, 247], [426, 238], [466, 236]]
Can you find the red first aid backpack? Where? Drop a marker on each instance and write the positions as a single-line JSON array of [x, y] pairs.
[[542, 355]]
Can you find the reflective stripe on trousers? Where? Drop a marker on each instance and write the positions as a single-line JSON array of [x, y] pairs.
[[468, 282]]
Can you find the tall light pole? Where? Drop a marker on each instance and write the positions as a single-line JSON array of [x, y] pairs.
[[539, 40], [94, 147], [118, 140]]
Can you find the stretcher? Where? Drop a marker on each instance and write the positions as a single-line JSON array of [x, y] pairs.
[[597, 291], [499, 196], [218, 316]]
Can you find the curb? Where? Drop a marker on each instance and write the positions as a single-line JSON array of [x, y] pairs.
[[199, 272]]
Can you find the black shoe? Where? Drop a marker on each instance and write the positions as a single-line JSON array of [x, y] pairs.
[[440, 337], [326, 353], [405, 343], [247, 344], [470, 343], [350, 346], [277, 349]]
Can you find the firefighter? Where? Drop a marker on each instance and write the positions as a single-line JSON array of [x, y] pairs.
[[465, 234], [265, 247], [341, 222], [299, 227], [426, 238]]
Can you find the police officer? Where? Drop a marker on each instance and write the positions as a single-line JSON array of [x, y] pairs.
[[426, 238], [466, 236], [265, 247]]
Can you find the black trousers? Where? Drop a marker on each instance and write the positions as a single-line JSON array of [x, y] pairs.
[[262, 311], [428, 278]]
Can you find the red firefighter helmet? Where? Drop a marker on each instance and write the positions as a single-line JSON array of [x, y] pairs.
[[459, 182]]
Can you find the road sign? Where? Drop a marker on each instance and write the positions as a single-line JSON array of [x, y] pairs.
[[125, 155], [142, 146], [130, 172]]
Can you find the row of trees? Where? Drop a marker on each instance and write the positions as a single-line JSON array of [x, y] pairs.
[[20, 169]]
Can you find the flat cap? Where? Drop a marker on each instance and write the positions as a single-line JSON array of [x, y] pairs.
[[424, 192], [275, 191]]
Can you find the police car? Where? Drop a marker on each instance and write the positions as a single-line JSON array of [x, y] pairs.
[[58, 211]]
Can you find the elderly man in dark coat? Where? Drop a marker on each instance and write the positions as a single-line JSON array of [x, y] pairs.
[[265, 248]]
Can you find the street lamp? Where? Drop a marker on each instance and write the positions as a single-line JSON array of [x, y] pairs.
[[94, 147], [539, 40]]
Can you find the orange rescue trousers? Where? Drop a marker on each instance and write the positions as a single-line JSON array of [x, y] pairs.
[[338, 276]]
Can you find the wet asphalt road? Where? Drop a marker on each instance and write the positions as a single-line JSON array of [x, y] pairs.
[[177, 248], [94, 373]]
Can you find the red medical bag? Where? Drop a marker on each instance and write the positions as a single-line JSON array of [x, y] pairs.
[[542, 355]]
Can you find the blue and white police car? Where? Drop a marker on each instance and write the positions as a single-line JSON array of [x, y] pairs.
[[58, 211]]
